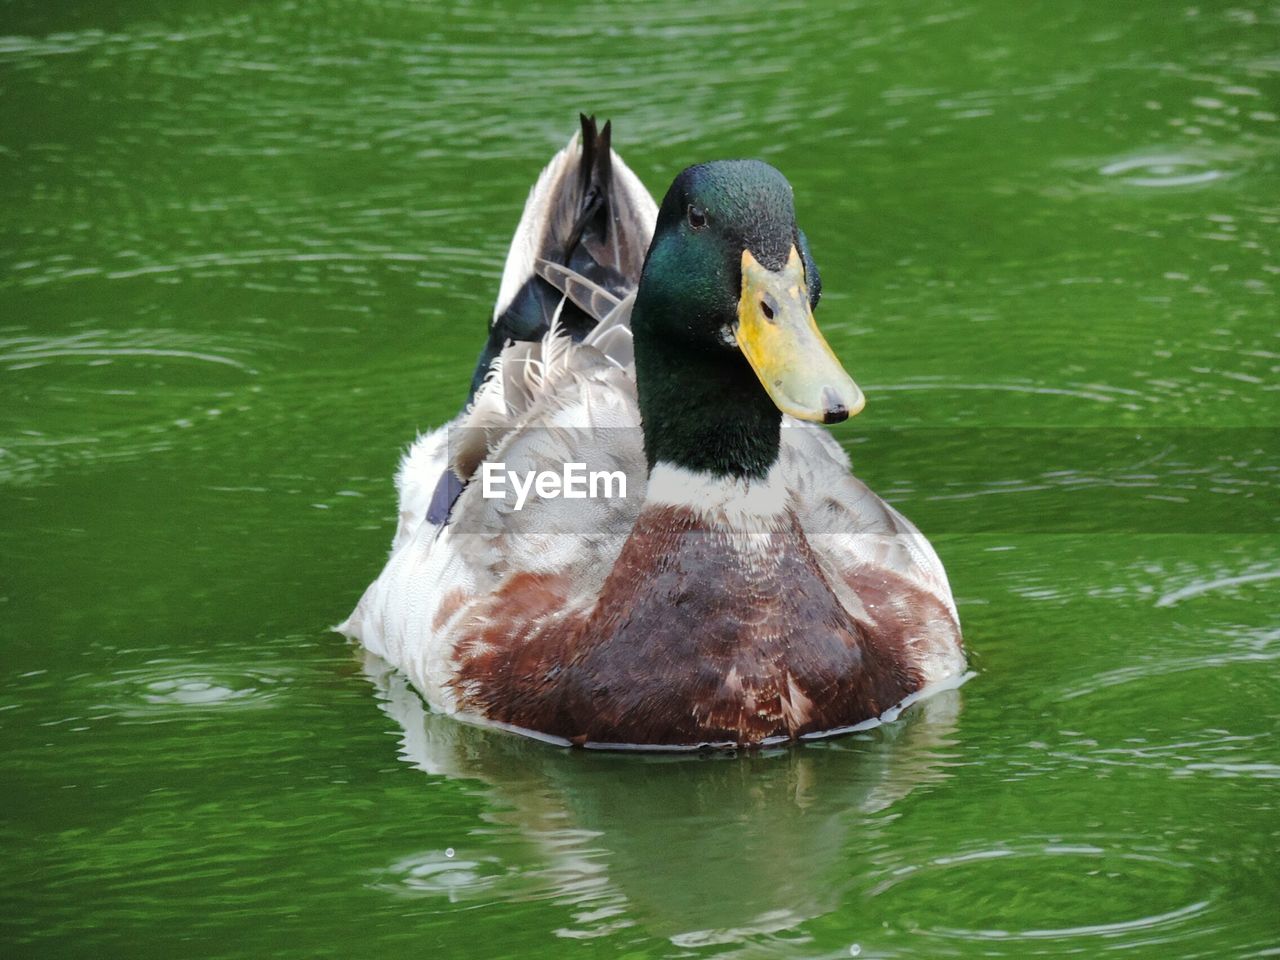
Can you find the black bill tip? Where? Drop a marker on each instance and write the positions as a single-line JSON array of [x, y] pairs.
[[833, 408]]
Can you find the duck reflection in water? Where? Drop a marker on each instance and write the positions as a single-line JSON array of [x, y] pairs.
[[696, 848]]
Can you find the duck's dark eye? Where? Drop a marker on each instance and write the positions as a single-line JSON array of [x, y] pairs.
[[697, 217]]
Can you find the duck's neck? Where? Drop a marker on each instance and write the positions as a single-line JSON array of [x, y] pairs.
[[705, 412]]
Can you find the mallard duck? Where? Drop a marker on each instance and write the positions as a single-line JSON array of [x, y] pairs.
[[748, 589]]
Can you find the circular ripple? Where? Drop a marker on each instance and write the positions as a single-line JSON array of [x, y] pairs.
[[446, 873], [175, 689], [1163, 170], [1056, 895]]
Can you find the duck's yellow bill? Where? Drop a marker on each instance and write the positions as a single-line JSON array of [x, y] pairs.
[[777, 334]]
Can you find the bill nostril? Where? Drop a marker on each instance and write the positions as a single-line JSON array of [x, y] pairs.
[[767, 309]]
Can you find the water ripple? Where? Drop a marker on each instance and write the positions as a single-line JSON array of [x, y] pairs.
[[1142, 924], [167, 690], [1098, 393], [442, 873], [1208, 586], [1060, 866], [1164, 170], [20, 353], [1241, 646]]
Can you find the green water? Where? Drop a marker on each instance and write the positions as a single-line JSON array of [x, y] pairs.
[[248, 249]]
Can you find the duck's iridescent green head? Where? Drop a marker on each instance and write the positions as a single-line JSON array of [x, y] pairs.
[[724, 323]]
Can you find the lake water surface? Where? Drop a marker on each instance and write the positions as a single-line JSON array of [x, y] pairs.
[[247, 250]]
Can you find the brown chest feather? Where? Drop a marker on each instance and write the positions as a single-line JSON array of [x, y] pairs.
[[698, 636]]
